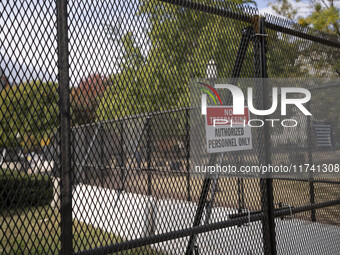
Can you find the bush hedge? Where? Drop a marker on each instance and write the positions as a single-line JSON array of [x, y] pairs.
[[19, 189]]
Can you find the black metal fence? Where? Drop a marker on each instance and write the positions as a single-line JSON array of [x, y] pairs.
[[95, 131]]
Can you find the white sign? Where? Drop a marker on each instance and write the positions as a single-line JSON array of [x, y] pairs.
[[226, 131]]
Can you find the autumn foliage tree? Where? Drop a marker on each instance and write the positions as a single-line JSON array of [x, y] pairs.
[[85, 99]]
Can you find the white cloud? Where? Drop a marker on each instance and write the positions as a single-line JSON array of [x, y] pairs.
[[28, 49], [29, 38], [267, 10]]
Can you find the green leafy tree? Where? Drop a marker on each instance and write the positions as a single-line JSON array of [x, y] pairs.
[[179, 43], [29, 114], [316, 59], [155, 74], [325, 16]]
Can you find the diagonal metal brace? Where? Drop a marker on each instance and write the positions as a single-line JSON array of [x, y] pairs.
[[247, 36]]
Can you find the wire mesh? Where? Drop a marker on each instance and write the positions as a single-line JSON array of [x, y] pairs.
[[130, 68], [29, 118], [306, 59]]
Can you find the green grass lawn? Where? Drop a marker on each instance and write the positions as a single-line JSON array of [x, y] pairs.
[[37, 231]]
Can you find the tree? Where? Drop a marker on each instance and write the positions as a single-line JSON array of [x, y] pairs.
[[180, 42], [86, 97], [316, 59], [155, 73], [324, 16], [29, 114]]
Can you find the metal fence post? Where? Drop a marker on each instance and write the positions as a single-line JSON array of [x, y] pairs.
[[65, 130], [187, 145], [310, 161], [102, 165], [269, 235], [148, 154], [122, 154]]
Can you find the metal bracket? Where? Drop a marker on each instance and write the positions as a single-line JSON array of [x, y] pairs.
[[290, 210], [258, 34], [248, 223], [196, 250]]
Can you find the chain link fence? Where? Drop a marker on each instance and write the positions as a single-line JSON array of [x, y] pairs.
[[96, 142]]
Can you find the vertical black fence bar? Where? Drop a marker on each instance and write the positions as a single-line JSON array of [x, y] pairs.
[[247, 34], [310, 161], [200, 207], [148, 154], [240, 192], [269, 235], [122, 154], [101, 149], [121, 142], [187, 145], [65, 130]]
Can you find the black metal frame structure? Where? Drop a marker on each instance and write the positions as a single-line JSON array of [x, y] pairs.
[[254, 37]]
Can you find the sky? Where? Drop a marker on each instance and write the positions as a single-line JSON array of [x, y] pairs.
[[303, 7], [28, 48], [261, 4], [27, 40], [28, 35]]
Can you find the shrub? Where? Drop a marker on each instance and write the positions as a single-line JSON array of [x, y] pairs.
[[19, 189]]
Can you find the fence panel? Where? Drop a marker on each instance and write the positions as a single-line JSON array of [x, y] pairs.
[[96, 130], [29, 115], [293, 56]]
